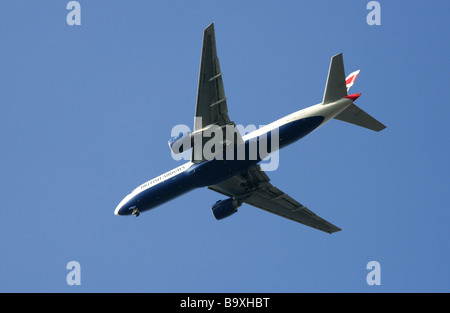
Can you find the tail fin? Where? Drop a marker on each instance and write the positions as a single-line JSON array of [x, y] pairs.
[[350, 80], [335, 88]]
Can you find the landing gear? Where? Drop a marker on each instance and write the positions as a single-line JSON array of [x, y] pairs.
[[135, 211]]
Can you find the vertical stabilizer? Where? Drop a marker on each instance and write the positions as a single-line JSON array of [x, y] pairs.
[[350, 80]]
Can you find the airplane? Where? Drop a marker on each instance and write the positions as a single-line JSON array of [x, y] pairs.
[[241, 180]]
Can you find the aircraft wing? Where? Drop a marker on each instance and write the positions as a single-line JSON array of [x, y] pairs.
[[253, 187], [211, 106], [211, 100]]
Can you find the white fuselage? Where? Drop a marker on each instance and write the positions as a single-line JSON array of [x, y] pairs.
[[187, 176]]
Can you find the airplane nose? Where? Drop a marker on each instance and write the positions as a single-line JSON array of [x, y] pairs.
[[117, 210], [124, 205]]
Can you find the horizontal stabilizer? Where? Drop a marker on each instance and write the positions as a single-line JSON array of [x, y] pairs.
[[354, 115], [335, 88]]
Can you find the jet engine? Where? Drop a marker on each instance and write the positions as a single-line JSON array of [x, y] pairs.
[[225, 208], [180, 143]]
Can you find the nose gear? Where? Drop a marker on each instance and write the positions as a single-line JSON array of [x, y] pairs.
[[135, 211]]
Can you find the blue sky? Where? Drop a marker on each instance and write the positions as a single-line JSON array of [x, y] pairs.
[[86, 112]]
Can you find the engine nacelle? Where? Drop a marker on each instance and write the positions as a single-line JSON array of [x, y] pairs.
[[225, 208], [180, 143]]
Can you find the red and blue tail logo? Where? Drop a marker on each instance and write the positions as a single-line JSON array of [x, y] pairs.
[[349, 81]]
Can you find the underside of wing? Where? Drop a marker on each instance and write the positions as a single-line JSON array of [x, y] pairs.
[[253, 187], [211, 100], [271, 199], [211, 107]]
